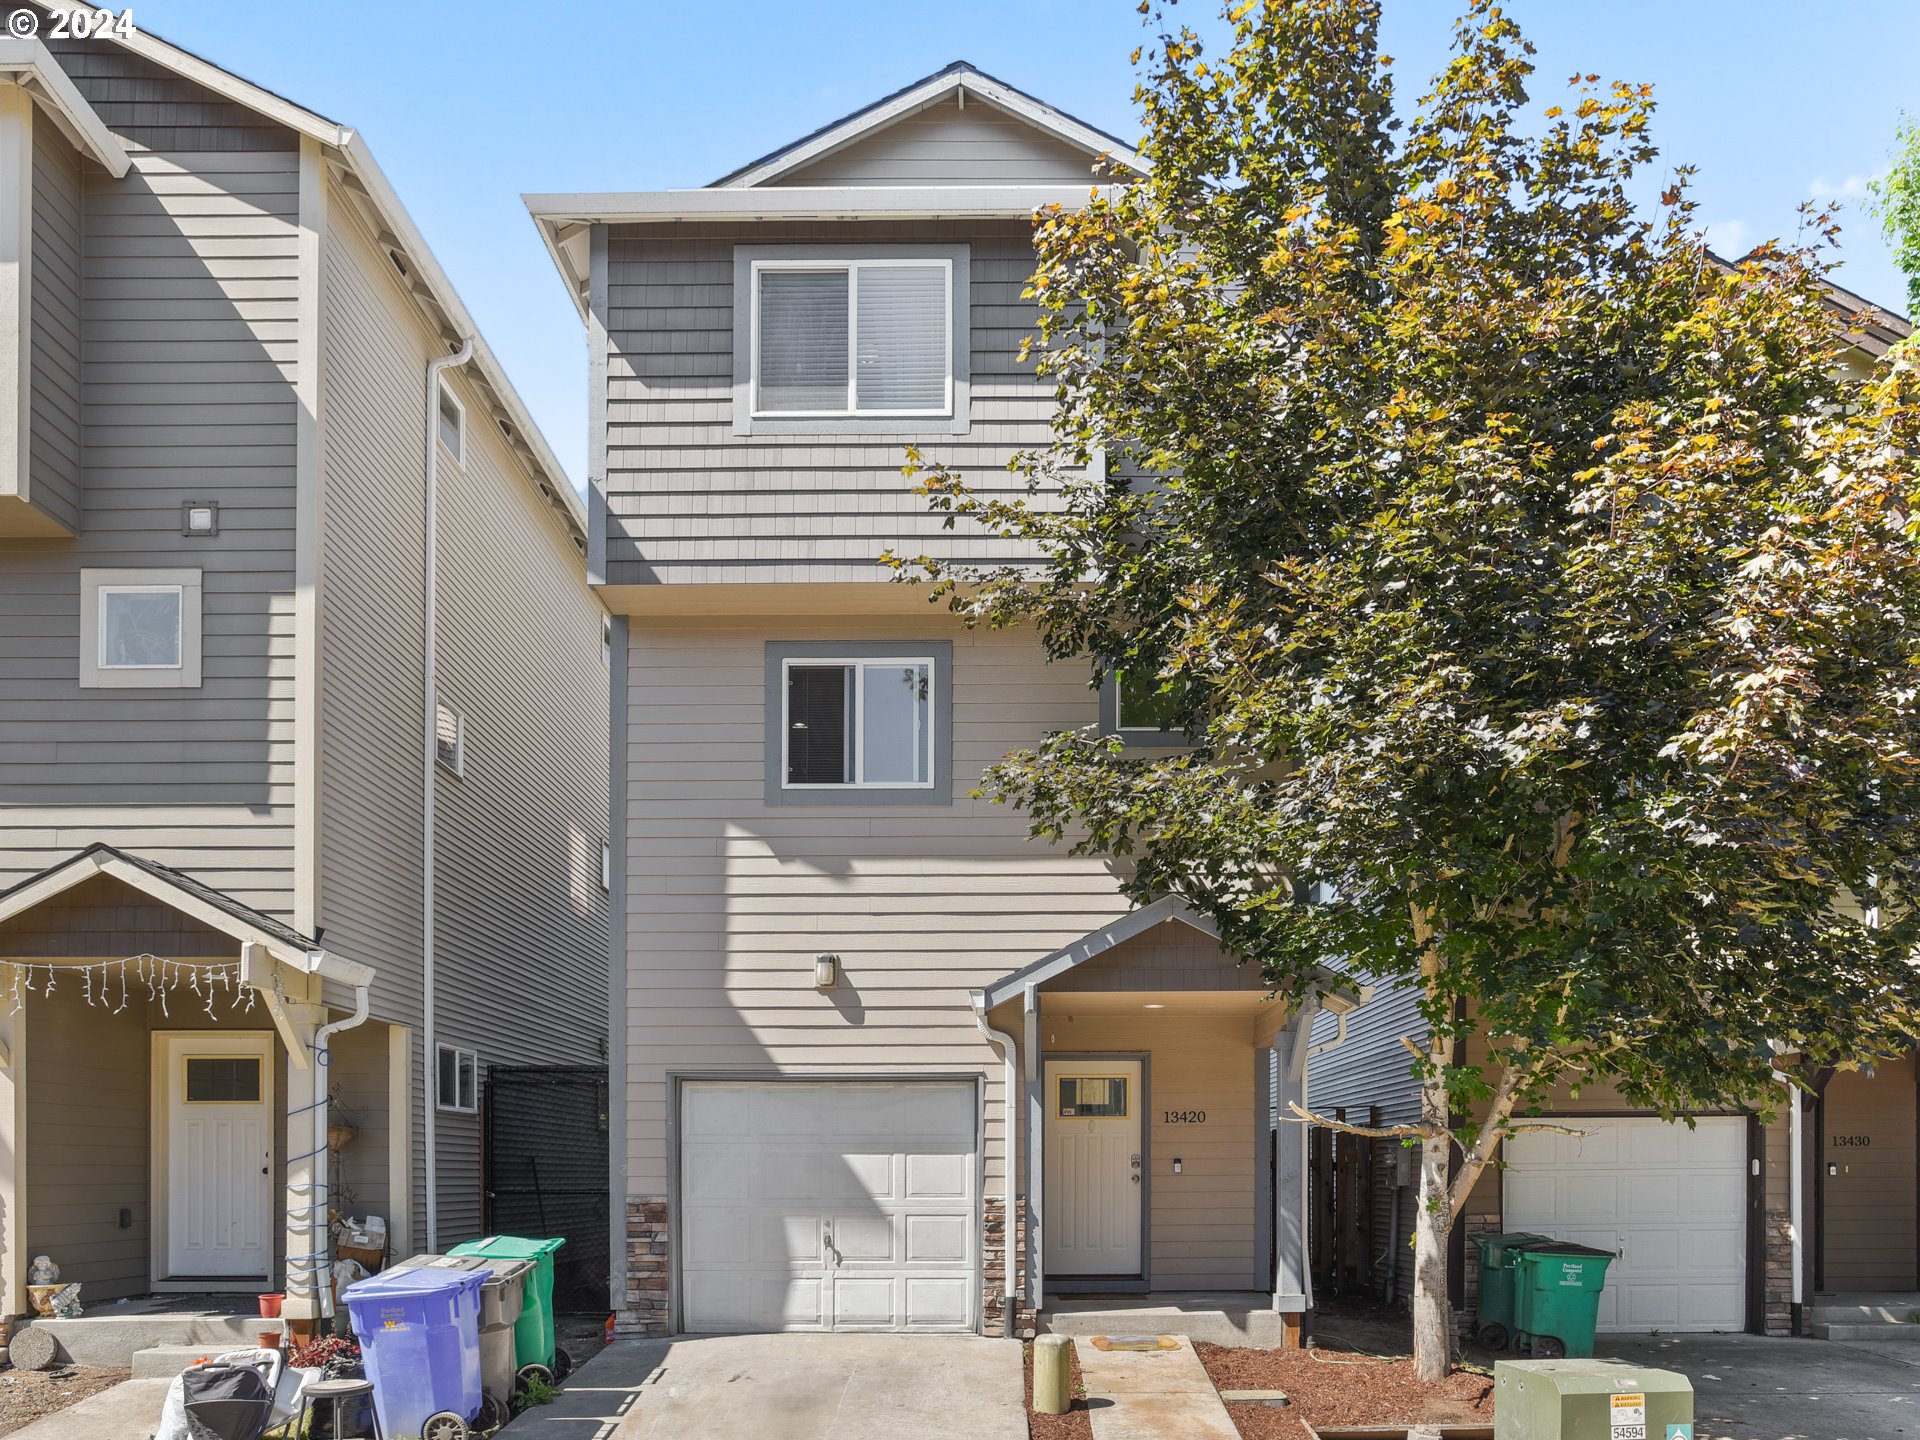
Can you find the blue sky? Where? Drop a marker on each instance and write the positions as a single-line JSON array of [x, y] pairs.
[[468, 105]]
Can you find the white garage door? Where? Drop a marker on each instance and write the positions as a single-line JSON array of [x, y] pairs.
[[1670, 1201], [827, 1205]]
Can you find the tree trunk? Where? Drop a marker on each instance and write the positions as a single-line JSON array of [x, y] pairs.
[[1432, 1311]]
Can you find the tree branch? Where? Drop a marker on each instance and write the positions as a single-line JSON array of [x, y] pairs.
[[1304, 1116]]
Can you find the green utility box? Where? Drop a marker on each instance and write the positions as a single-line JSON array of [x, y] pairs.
[[1556, 1297], [1589, 1400], [1494, 1327]]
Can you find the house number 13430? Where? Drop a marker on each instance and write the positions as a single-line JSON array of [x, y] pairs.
[[1183, 1117]]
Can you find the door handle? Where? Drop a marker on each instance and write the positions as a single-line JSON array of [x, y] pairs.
[[1135, 1177]]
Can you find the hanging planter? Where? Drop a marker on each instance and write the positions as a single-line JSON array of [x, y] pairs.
[[340, 1136]]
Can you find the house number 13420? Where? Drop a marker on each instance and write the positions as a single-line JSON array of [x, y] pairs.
[[1183, 1117]]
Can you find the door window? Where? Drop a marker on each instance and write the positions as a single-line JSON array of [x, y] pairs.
[[1093, 1097], [223, 1079]]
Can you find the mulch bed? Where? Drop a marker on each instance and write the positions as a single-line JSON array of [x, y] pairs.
[[29, 1395], [1076, 1424], [1330, 1388]]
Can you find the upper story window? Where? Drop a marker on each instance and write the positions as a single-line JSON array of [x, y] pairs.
[[140, 629], [858, 723], [457, 1086], [863, 337], [851, 338], [450, 740], [453, 424], [1134, 707]]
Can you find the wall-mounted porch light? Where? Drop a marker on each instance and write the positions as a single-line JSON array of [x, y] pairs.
[[826, 971]]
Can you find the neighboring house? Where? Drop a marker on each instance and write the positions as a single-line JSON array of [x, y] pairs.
[[856, 1008], [216, 758], [1701, 1218]]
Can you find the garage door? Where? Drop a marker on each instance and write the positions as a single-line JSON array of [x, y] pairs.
[[1669, 1200], [828, 1205]]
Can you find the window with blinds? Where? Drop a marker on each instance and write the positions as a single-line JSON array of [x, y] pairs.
[[858, 337]]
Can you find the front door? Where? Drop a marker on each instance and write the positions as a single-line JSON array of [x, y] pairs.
[[1096, 1169], [219, 1158]]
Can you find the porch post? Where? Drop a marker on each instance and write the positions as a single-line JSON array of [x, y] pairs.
[[1290, 1283], [306, 1201], [1263, 1142], [13, 1139], [1036, 1150]]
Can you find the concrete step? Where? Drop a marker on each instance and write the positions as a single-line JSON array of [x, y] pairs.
[[110, 1339], [1227, 1321], [1879, 1332], [1872, 1314], [163, 1362]]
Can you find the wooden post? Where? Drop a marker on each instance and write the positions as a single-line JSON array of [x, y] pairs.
[[1290, 1339], [1052, 1375]]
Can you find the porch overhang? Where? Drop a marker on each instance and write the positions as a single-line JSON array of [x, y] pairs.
[[1096, 943], [244, 924]]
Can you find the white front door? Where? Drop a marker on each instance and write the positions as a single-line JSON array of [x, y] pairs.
[[828, 1205], [218, 1158], [1095, 1180], [1668, 1200]]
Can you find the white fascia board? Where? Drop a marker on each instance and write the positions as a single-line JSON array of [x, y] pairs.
[[29, 62], [385, 200], [800, 202], [222, 82], [937, 88]]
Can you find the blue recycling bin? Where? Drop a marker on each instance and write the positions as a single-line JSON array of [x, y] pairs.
[[419, 1335]]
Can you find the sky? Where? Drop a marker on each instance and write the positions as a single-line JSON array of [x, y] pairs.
[[469, 105]]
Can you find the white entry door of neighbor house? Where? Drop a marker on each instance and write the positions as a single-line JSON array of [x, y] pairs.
[[217, 1161], [1095, 1183], [829, 1205], [1669, 1201]]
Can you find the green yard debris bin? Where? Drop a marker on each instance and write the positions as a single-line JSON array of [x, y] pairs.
[[1494, 1327], [534, 1353], [1556, 1297]]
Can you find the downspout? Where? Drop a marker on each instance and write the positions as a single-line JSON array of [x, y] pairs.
[[430, 702], [1010, 1306], [320, 1219]]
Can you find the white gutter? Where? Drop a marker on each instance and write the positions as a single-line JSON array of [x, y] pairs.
[[320, 1216], [1010, 1091], [429, 761]]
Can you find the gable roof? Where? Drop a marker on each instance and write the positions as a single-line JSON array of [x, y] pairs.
[[960, 78], [187, 895], [426, 281]]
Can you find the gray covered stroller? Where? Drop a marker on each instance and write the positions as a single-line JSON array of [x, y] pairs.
[[229, 1398]]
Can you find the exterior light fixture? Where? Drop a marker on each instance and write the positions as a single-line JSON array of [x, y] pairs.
[[1153, 1005], [199, 518], [826, 971]]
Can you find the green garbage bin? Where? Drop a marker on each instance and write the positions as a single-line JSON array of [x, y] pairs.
[[533, 1347], [1556, 1297], [1495, 1316]]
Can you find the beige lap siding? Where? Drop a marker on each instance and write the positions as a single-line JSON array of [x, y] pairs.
[[1200, 1225], [729, 900]]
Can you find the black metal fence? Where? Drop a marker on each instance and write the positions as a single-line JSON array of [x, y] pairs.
[[546, 1169]]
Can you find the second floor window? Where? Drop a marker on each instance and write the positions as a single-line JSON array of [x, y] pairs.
[[855, 337], [859, 722]]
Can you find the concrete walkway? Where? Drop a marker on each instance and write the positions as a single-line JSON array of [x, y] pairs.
[[795, 1387], [128, 1411], [1747, 1387], [1151, 1394]]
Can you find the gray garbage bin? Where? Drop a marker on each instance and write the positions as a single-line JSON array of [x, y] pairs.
[[502, 1294]]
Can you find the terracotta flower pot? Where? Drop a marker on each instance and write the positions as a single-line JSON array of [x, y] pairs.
[[270, 1339], [270, 1306]]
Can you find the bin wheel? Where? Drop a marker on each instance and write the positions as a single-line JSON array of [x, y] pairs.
[[1493, 1336], [535, 1371], [562, 1363], [1546, 1347], [494, 1412], [445, 1426]]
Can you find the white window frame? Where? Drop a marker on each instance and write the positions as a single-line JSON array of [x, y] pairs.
[[458, 450], [457, 767], [606, 868], [95, 586], [465, 1062], [852, 265], [859, 665]]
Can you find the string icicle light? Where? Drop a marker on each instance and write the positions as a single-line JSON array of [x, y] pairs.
[[209, 983]]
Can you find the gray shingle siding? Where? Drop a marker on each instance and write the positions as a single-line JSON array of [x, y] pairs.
[[689, 500]]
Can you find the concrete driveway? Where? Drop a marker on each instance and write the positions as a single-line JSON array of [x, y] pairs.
[[1746, 1387], [790, 1387]]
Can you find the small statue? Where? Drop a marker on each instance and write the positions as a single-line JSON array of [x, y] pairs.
[[43, 1271]]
